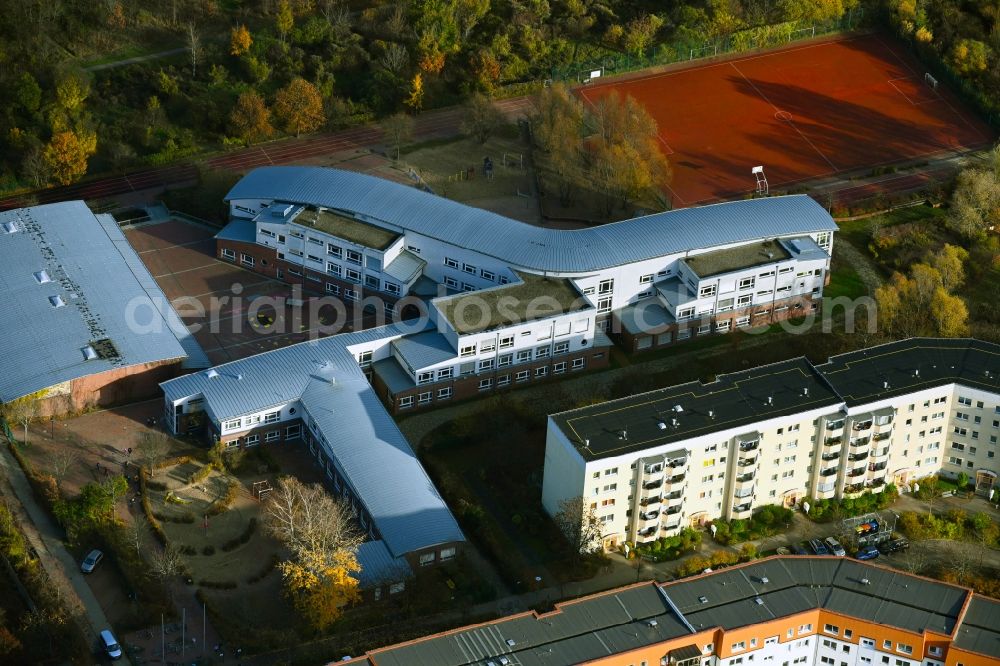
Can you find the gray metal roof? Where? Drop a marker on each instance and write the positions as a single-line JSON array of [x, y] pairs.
[[405, 267], [424, 349], [371, 452], [391, 372], [378, 566], [239, 230], [400, 207], [106, 294], [646, 316], [618, 621]]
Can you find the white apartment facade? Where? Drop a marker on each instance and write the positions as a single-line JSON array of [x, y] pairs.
[[652, 464]]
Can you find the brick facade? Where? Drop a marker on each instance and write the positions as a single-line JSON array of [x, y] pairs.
[[109, 388]]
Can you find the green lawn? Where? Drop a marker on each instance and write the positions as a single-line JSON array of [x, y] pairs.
[[844, 281]]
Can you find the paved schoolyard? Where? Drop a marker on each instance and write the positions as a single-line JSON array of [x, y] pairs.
[[232, 312]]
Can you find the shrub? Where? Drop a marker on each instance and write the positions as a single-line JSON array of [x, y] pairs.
[[223, 503], [217, 585], [200, 474], [268, 568], [233, 544], [148, 509], [187, 550], [208, 550], [156, 485]]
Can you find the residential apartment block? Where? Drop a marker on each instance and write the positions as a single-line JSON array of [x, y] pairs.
[[652, 463], [511, 302], [780, 611]]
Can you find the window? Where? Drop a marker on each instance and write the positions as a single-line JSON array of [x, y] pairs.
[[350, 295], [425, 377], [486, 364], [469, 268], [445, 393], [468, 350], [232, 425], [503, 380], [604, 305], [485, 384], [646, 279], [228, 254], [488, 275], [354, 257], [561, 348], [272, 417], [887, 645], [506, 341], [541, 352], [372, 282], [685, 313], [272, 436], [706, 291], [246, 259], [831, 629], [541, 372], [578, 363], [406, 402], [251, 440], [606, 286], [522, 376], [905, 649], [737, 647], [427, 559], [487, 346], [293, 432], [746, 283], [445, 373], [505, 359], [425, 397], [331, 288], [559, 368], [744, 300], [524, 355], [353, 276]]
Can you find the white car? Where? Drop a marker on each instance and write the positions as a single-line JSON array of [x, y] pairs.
[[111, 645], [835, 547], [90, 562]]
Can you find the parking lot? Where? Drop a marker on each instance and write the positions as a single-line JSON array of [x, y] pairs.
[[233, 312]]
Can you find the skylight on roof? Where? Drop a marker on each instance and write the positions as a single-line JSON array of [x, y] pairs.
[[57, 301], [9, 227], [89, 353], [42, 277]]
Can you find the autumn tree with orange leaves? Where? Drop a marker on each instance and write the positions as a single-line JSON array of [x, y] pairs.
[[299, 106], [239, 40], [251, 119], [67, 153]]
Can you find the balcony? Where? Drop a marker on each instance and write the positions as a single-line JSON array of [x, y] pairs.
[[880, 436], [742, 508], [857, 471], [853, 457], [830, 471], [749, 446], [831, 456], [647, 531], [833, 441], [877, 467], [678, 462], [823, 488], [653, 469], [675, 495], [743, 478], [747, 462], [673, 510], [860, 441], [652, 485], [677, 478], [834, 425], [650, 515], [854, 488], [877, 483], [649, 501], [861, 426]]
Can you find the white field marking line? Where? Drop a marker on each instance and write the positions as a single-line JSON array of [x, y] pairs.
[[168, 247], [790, 122], [729, 62], [186, 270], [223, 291], [961, 116], [892, 83]]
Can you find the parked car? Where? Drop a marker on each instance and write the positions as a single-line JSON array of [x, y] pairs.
[[799, 548], [110, 644], [818, 547], [90, 562], [835, 547], [894, 546], [867, 553]]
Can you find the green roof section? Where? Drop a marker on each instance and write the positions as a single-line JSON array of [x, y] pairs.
[[348, 228], [534, 298], [737, 258]]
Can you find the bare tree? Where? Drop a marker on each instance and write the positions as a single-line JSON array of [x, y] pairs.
[[579, 524], [61, 461], [310, 520], [136, 533], [22, 411], [480, 118], [915, 560], [165, 563], [394, 57], [152, 448], [398, 130], [194, 46]]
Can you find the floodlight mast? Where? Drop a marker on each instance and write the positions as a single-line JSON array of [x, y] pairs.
[[758, 173]]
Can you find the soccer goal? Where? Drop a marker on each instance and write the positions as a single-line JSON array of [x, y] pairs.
[[802, 33], [707, 51], [591, 74], [931, 81]]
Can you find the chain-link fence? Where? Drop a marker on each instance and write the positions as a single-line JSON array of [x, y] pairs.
[[696, 48]]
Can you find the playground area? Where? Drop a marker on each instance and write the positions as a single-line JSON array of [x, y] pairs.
[[233, 312], [805, 112]]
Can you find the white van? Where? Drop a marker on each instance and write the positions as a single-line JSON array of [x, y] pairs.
[[111, 645]]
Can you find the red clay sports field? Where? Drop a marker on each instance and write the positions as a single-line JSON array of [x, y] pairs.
[[804, 112]]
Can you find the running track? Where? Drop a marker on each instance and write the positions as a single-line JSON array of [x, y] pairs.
[[440, 124]]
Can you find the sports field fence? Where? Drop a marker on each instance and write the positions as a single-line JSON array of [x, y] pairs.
[[742, 41]]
